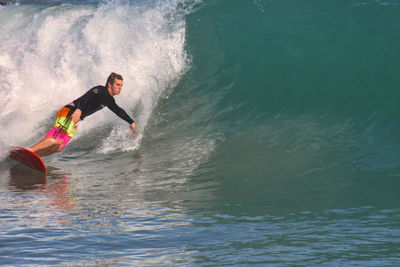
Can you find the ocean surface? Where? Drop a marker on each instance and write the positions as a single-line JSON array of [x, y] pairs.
[[268, 133]]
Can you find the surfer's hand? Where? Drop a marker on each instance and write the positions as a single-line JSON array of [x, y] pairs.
[[76, 116], [133, 129]]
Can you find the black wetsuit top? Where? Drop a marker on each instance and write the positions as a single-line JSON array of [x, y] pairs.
[[96, 99]]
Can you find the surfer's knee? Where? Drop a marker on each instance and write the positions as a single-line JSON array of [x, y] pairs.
[[60, 148], [59, 145], [56, 145]]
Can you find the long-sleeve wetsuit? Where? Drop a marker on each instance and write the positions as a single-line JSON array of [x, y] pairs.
[[96, 99]]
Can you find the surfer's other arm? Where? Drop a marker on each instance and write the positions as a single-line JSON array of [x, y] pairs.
[[76, 116]]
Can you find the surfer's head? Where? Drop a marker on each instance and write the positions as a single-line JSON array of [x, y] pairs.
[[112, 77], [114, 83]]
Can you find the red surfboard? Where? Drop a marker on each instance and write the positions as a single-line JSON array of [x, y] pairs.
[[28, 158]]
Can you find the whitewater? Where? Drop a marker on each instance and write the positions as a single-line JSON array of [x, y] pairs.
[[53, 54], [268, 133]]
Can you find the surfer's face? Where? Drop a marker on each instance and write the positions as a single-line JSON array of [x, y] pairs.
[[116, 87]]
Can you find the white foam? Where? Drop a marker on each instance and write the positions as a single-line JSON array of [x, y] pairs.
[[50, 56]]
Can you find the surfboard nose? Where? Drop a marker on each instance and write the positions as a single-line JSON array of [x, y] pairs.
[[27, 158]]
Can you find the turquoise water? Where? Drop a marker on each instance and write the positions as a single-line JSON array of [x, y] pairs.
[[268, 133]]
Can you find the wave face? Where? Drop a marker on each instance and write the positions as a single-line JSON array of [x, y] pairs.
[[296, 98]]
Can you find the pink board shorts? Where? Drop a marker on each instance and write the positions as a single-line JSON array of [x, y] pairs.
[[64, 128]]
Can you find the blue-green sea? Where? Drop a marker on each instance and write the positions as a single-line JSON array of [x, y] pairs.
[[268, 133]]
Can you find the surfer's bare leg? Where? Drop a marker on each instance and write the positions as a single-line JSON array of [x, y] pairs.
[[47, 146]]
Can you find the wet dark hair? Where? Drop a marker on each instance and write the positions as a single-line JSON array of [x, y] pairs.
[[112, 77]]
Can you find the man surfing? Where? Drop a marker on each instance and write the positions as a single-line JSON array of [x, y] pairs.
[[67, 118]]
